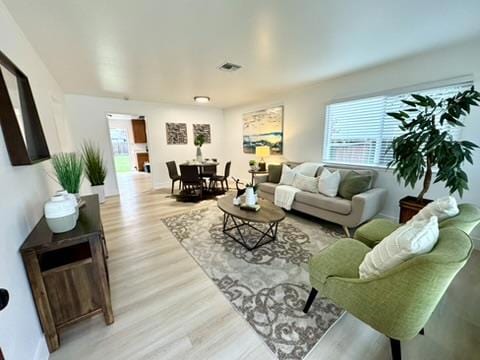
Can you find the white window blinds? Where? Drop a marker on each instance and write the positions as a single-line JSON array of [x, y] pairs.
[[360, 131]]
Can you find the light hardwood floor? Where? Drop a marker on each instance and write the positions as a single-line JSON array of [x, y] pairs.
[[166, 308]]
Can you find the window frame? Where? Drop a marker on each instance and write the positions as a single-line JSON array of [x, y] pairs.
[[457, 81]]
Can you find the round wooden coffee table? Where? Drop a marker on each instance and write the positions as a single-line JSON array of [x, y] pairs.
[[236, 219]]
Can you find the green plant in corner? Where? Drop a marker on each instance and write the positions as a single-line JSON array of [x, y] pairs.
[[427, 141], [68, 169], [95, 169]]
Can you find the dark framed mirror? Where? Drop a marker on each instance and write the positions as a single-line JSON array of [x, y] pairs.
[[21, 126]]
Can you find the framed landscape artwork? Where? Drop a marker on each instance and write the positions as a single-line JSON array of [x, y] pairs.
[[176, 133], [263, 128], [202, 129]]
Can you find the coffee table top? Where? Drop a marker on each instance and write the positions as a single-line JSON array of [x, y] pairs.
[[268, 213]]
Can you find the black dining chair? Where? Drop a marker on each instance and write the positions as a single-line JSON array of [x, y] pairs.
[[223, 178], [191, 180], [173, 174], [207, 172]]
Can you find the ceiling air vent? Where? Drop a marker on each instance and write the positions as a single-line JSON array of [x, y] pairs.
[[229, 67]]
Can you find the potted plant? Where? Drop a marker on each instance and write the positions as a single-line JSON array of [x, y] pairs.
[[95, 169], [199, 141], [253, 165], [68, 169], [427, 143]]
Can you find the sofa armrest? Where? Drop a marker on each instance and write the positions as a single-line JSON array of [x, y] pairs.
[[368, 204], [261, 179], [340, 259]]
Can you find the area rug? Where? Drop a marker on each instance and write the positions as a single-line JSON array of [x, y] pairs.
[[267, 286]]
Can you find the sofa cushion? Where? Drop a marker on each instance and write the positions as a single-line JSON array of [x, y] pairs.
[[353, 184], [334, 204], [274, 173], [345, 171], [267, 187], [306, 183]]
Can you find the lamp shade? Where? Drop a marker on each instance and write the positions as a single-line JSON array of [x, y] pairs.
[[262, 151]]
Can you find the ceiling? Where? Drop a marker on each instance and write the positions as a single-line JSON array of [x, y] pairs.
[[157, 50]]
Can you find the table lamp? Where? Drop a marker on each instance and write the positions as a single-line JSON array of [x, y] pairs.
[[262, 151]]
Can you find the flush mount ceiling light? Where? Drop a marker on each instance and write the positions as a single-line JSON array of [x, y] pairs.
[[202, 99], [229, 67]]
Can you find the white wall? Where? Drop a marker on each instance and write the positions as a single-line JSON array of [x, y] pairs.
[[87, 117], [305, 113], [23, 191]]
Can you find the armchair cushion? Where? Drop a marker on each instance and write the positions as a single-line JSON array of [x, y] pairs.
[[375, 231], [341, 259]]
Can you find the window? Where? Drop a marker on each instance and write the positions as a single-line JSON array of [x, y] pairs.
[[360, 131]]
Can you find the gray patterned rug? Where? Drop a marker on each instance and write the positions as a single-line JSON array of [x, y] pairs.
[[267, 286]]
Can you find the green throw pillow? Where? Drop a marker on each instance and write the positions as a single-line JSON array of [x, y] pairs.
[[353, 184], [274, 173]]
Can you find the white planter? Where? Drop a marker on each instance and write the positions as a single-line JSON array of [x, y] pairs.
[[250, 199], [100, 191]]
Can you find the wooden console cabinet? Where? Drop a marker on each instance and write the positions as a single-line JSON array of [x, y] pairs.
[[68, 272]]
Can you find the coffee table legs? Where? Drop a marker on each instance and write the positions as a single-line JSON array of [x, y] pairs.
[[266, 236]]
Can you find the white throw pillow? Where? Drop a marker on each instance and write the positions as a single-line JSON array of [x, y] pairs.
[[442, 208], [328, 182], [307, 168], [306, 183], [409, 240], [288, 175]]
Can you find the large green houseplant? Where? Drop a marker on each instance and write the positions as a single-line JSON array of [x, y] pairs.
[[427, 142], [95, 168]]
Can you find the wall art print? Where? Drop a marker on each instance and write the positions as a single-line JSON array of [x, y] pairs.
[[263, 128], [176, 133]]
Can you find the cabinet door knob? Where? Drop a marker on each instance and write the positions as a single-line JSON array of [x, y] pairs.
[[4, 297]]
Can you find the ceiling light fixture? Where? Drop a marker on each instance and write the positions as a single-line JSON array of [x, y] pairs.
[[202, 99]]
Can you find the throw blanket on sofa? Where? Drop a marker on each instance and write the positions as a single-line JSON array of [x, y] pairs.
[[284, 196]]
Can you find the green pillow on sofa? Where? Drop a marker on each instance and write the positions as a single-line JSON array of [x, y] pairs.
[[274, 173], [353, 184]]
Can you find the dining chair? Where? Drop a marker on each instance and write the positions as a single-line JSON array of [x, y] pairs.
[[207, 172], [191, 180], [173, 174], [223, 178]]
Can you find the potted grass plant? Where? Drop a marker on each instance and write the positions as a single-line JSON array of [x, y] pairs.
[[427, 144], [68, 168], [95, 168]]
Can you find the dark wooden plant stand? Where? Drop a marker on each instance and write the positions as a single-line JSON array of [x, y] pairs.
[[410, 206], [68, 272]]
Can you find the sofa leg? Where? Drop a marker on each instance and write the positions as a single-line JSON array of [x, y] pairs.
[[347, 230], [311, 297], [422, 332], [396, 349]]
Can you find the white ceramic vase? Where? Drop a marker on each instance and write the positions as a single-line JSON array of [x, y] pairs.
[[100, 191], [250, 199], [199, 154]]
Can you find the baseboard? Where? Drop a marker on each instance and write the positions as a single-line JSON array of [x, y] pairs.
[[475, 236], [42, 353]]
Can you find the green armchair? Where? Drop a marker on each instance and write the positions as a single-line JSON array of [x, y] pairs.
[[399, 302]]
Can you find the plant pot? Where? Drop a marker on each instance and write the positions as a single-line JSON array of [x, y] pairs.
[[100, 191], [410, 206]]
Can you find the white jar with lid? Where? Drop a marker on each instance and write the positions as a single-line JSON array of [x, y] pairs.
[[60, 213], [72, 198]]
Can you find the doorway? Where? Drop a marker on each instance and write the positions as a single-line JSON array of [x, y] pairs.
[[129, 142]]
